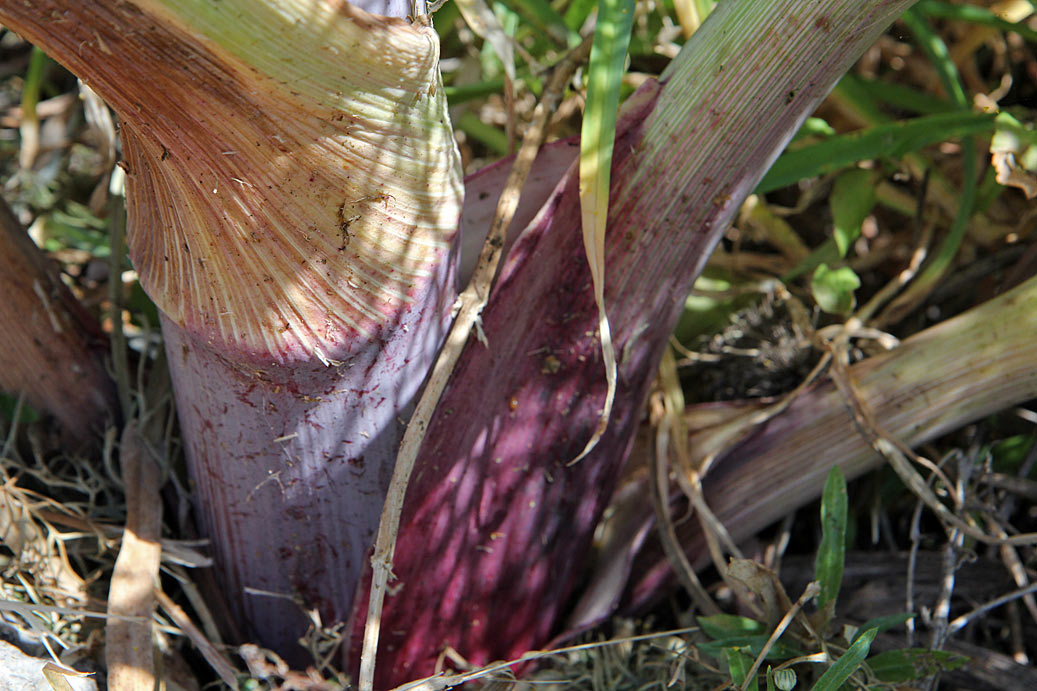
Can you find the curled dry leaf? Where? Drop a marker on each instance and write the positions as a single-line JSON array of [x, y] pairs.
[[1011, 174], [58, 677], [294, 220], [1013, 154]]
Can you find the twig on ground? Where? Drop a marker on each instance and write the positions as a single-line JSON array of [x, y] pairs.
[[887, 292], [897, 455], [809, 593], [1015, 566], [219, 663], [201, 608], [669, 413], [951, 561], [912, 569], [964, 619], [117, 255], [942, 608], [440, 682]]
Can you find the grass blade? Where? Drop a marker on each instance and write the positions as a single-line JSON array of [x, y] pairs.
[[577, 12], [831, 555], [544, 17], [691, 14], [936, 49], [846, 665], [489, 135], [901, 666], [738, 666], [889, 139], [29, 128], [886, 622], [604, 75], [873, 91], [976, 15]]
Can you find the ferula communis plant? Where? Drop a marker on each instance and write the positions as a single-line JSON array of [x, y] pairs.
[[293, 191], [295, 230]]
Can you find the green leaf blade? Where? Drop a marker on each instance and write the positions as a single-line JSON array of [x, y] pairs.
[[833, 289], [887, 139], [885, 622], [899, 666], [846, 665], [597, 139], [831, 555], [738, 666], [719, 626], [852, 199]]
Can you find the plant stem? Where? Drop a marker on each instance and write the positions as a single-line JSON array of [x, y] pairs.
[[50, 348], [956, 372], [494, 520], [293, 190]]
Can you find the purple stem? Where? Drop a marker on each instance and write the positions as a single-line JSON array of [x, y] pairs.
[[497, 523]]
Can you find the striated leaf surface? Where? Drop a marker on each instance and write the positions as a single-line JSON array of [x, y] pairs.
[[293, 191], [496, 521]]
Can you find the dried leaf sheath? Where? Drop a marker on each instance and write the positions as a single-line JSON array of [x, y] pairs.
[[281, 199], [311, 213], [293, 190]]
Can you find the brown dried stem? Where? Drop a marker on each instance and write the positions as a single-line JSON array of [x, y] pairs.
[[50, 348], [128, 645]]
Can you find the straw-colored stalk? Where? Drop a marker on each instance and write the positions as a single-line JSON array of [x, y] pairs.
[[947, 376]]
